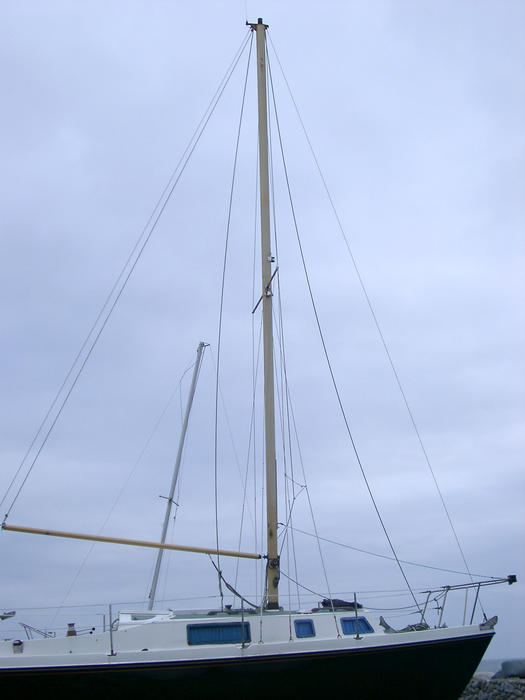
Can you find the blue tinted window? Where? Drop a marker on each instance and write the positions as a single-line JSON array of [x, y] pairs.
[[219, 633], [304, 628], [348, 625]]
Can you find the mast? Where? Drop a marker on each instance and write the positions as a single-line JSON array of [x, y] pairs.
[[196, 367], [272, 569]]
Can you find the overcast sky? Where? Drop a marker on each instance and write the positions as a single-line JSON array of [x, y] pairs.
[[415, 111]]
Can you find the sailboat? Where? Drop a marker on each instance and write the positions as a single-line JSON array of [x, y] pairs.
[[254, 650]]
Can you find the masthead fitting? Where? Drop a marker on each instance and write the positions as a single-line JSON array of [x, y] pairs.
[[254, 25]]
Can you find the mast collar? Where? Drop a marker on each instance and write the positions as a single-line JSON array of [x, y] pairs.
[[259, 22]]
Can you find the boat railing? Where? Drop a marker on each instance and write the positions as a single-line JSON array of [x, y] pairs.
[[100, 618], [440, 595]]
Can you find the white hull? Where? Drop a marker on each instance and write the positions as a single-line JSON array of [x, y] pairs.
[[166, 641]]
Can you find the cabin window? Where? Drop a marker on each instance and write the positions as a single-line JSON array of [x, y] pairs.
[[348, 625], [304, 628], [219, 633]]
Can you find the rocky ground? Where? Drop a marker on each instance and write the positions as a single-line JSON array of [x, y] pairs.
[[495, 689]]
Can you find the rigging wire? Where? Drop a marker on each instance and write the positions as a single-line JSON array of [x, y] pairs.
[[414, 608], [243, 479], [176, 390], [280, 381], [376, 321], [285, 396], [152, 434], [323, 566], [284, 399], [255, 371], [169, 558], [304, 486], [305, 588], [256, 353], [231, 436], [122, 280], [219, 332], [370, 594], [325, 350], [251, 436], [387, 593], [386, 556]]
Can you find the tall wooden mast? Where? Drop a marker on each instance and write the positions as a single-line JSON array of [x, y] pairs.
[[272, 569]]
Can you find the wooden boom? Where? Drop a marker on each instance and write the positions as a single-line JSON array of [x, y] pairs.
[[135, 543]]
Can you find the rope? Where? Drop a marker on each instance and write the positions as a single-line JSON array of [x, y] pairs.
[[230, 587], [325, 350]]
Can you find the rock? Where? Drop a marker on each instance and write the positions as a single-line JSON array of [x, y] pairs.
[[495, 689], [483, 675], [511, 669]]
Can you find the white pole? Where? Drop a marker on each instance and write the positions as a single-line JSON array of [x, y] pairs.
[[151, 597]]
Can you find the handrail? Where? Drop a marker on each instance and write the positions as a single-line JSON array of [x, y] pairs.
[[510, 579], [444, 590]]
